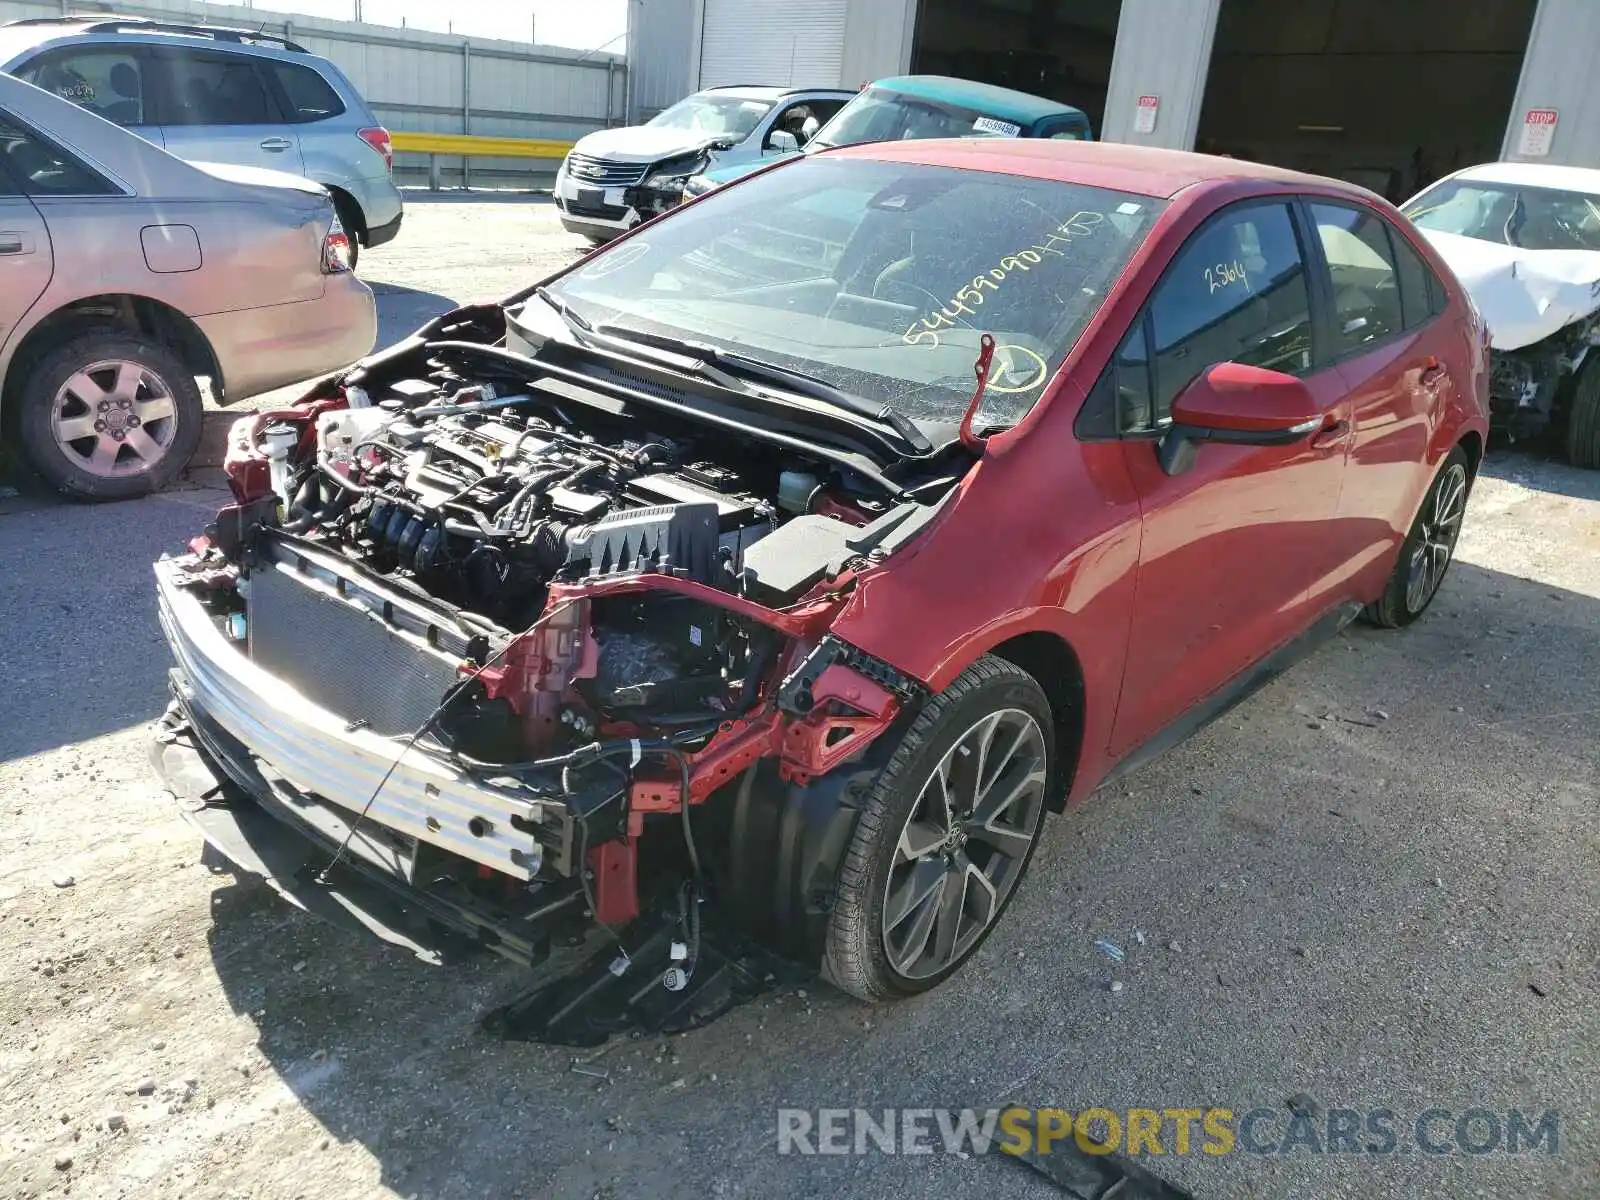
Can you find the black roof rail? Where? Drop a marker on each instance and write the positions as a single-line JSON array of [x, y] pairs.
[[217, 33]]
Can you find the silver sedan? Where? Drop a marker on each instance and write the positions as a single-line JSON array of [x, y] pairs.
[[127, 276]]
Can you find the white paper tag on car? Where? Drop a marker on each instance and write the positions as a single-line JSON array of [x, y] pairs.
[[1000, 128], [613, 197]]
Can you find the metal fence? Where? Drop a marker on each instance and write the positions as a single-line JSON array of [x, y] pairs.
[[507, 96]]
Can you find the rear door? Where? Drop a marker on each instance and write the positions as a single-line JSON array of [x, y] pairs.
[[221, 107], [1230, 547], [108, 80], [26, 262], [1390, 351]]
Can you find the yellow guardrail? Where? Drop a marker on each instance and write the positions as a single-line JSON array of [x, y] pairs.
[[472, 146]]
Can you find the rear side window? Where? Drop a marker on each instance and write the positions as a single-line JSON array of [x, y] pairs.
[[1417, 282], [215, 89], [107, 81], [1366, 285], [1236, 293], [309, 96], [41, 168]]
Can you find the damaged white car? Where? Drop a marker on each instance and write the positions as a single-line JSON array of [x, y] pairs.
[[1524, 238]]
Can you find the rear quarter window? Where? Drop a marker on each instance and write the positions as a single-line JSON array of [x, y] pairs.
[[307, 95]]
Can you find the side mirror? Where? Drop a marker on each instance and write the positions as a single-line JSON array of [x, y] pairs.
[[1231, 402], [781, 141]]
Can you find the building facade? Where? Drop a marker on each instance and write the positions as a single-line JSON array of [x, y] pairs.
[[1388, 93]]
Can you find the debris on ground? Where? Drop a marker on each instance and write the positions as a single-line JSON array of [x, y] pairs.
[[1302, 1104], [1110, 949], [63, 881]]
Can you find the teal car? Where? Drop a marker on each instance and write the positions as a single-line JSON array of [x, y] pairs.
[[924, 106]]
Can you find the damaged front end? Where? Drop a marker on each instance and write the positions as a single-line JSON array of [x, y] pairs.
[[1530, 386], [488, 650]]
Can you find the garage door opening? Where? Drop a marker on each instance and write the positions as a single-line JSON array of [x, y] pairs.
[[1058, 49], [1387, 95]]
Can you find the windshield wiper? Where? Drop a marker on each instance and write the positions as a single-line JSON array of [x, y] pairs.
[[713, 361], [573, 320]]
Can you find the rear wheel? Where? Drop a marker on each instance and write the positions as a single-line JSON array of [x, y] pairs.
[[945, 836], [1583, 421], [111, 415], [1425, 556]]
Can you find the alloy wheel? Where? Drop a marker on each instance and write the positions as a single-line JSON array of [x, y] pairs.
[[1439, 527], [964, 843], [114, 418]]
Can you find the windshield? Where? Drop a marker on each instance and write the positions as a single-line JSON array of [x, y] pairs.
[[879, 115], [878, 278], [1529, 218], [714, 116]]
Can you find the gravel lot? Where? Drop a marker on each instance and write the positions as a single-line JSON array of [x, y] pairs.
[[1378, 882]]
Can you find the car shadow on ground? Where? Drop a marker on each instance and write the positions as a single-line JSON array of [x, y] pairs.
[[1351, 886], [402, 310]]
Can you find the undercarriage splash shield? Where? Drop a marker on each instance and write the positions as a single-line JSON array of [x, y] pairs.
[[596, 1002]]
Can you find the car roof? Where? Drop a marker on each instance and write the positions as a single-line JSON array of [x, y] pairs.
[[1546, 175], [1020, 107], [756, 92], [1143, 170], [38, 30]]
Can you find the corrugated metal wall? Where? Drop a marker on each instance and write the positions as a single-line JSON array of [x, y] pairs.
[[877, 40], [1558, 73], [1163, 50], [426, 82], [663, 53]]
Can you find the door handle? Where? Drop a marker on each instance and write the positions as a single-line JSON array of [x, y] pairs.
[[1331, 434], [276, 144], [15, 243]]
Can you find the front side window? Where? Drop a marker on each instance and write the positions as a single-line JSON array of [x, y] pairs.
[[1366, 286], [714, 116], [1235, 293], [1531, 218], [108, 82], [216, 89], [41, 168], [310, 96], [876, 277]]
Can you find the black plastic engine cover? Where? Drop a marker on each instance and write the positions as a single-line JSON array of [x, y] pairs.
[[678, 539]]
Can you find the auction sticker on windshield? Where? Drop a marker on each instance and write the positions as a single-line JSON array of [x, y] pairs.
[[997, 127]]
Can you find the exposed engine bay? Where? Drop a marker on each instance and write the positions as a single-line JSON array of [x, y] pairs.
[[478, 630]]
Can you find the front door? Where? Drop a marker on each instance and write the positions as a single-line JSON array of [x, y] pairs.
[[1231, 547], [218, 107]]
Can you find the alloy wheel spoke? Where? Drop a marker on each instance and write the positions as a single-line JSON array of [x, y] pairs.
[[145, 447], [919, 839], [85, 389], [996, 764], [922, 926], [105, 453], [980, 889], [951, 909], [128, 378], [72, 429], [916, 886], [157, 408]]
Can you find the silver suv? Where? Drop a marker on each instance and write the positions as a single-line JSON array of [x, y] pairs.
[[210, 94]]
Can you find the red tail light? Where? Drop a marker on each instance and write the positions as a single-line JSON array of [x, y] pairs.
[[336, 252], [378, 138]]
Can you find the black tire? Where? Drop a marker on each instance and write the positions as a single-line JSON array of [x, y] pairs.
[[1403, 600], [1583, 420], [153, 449], [350, 219], [857, 956]]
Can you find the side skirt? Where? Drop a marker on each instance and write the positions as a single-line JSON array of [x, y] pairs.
[[1238, 689]]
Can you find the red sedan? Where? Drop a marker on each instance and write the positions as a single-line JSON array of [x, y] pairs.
[[823, 536]]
